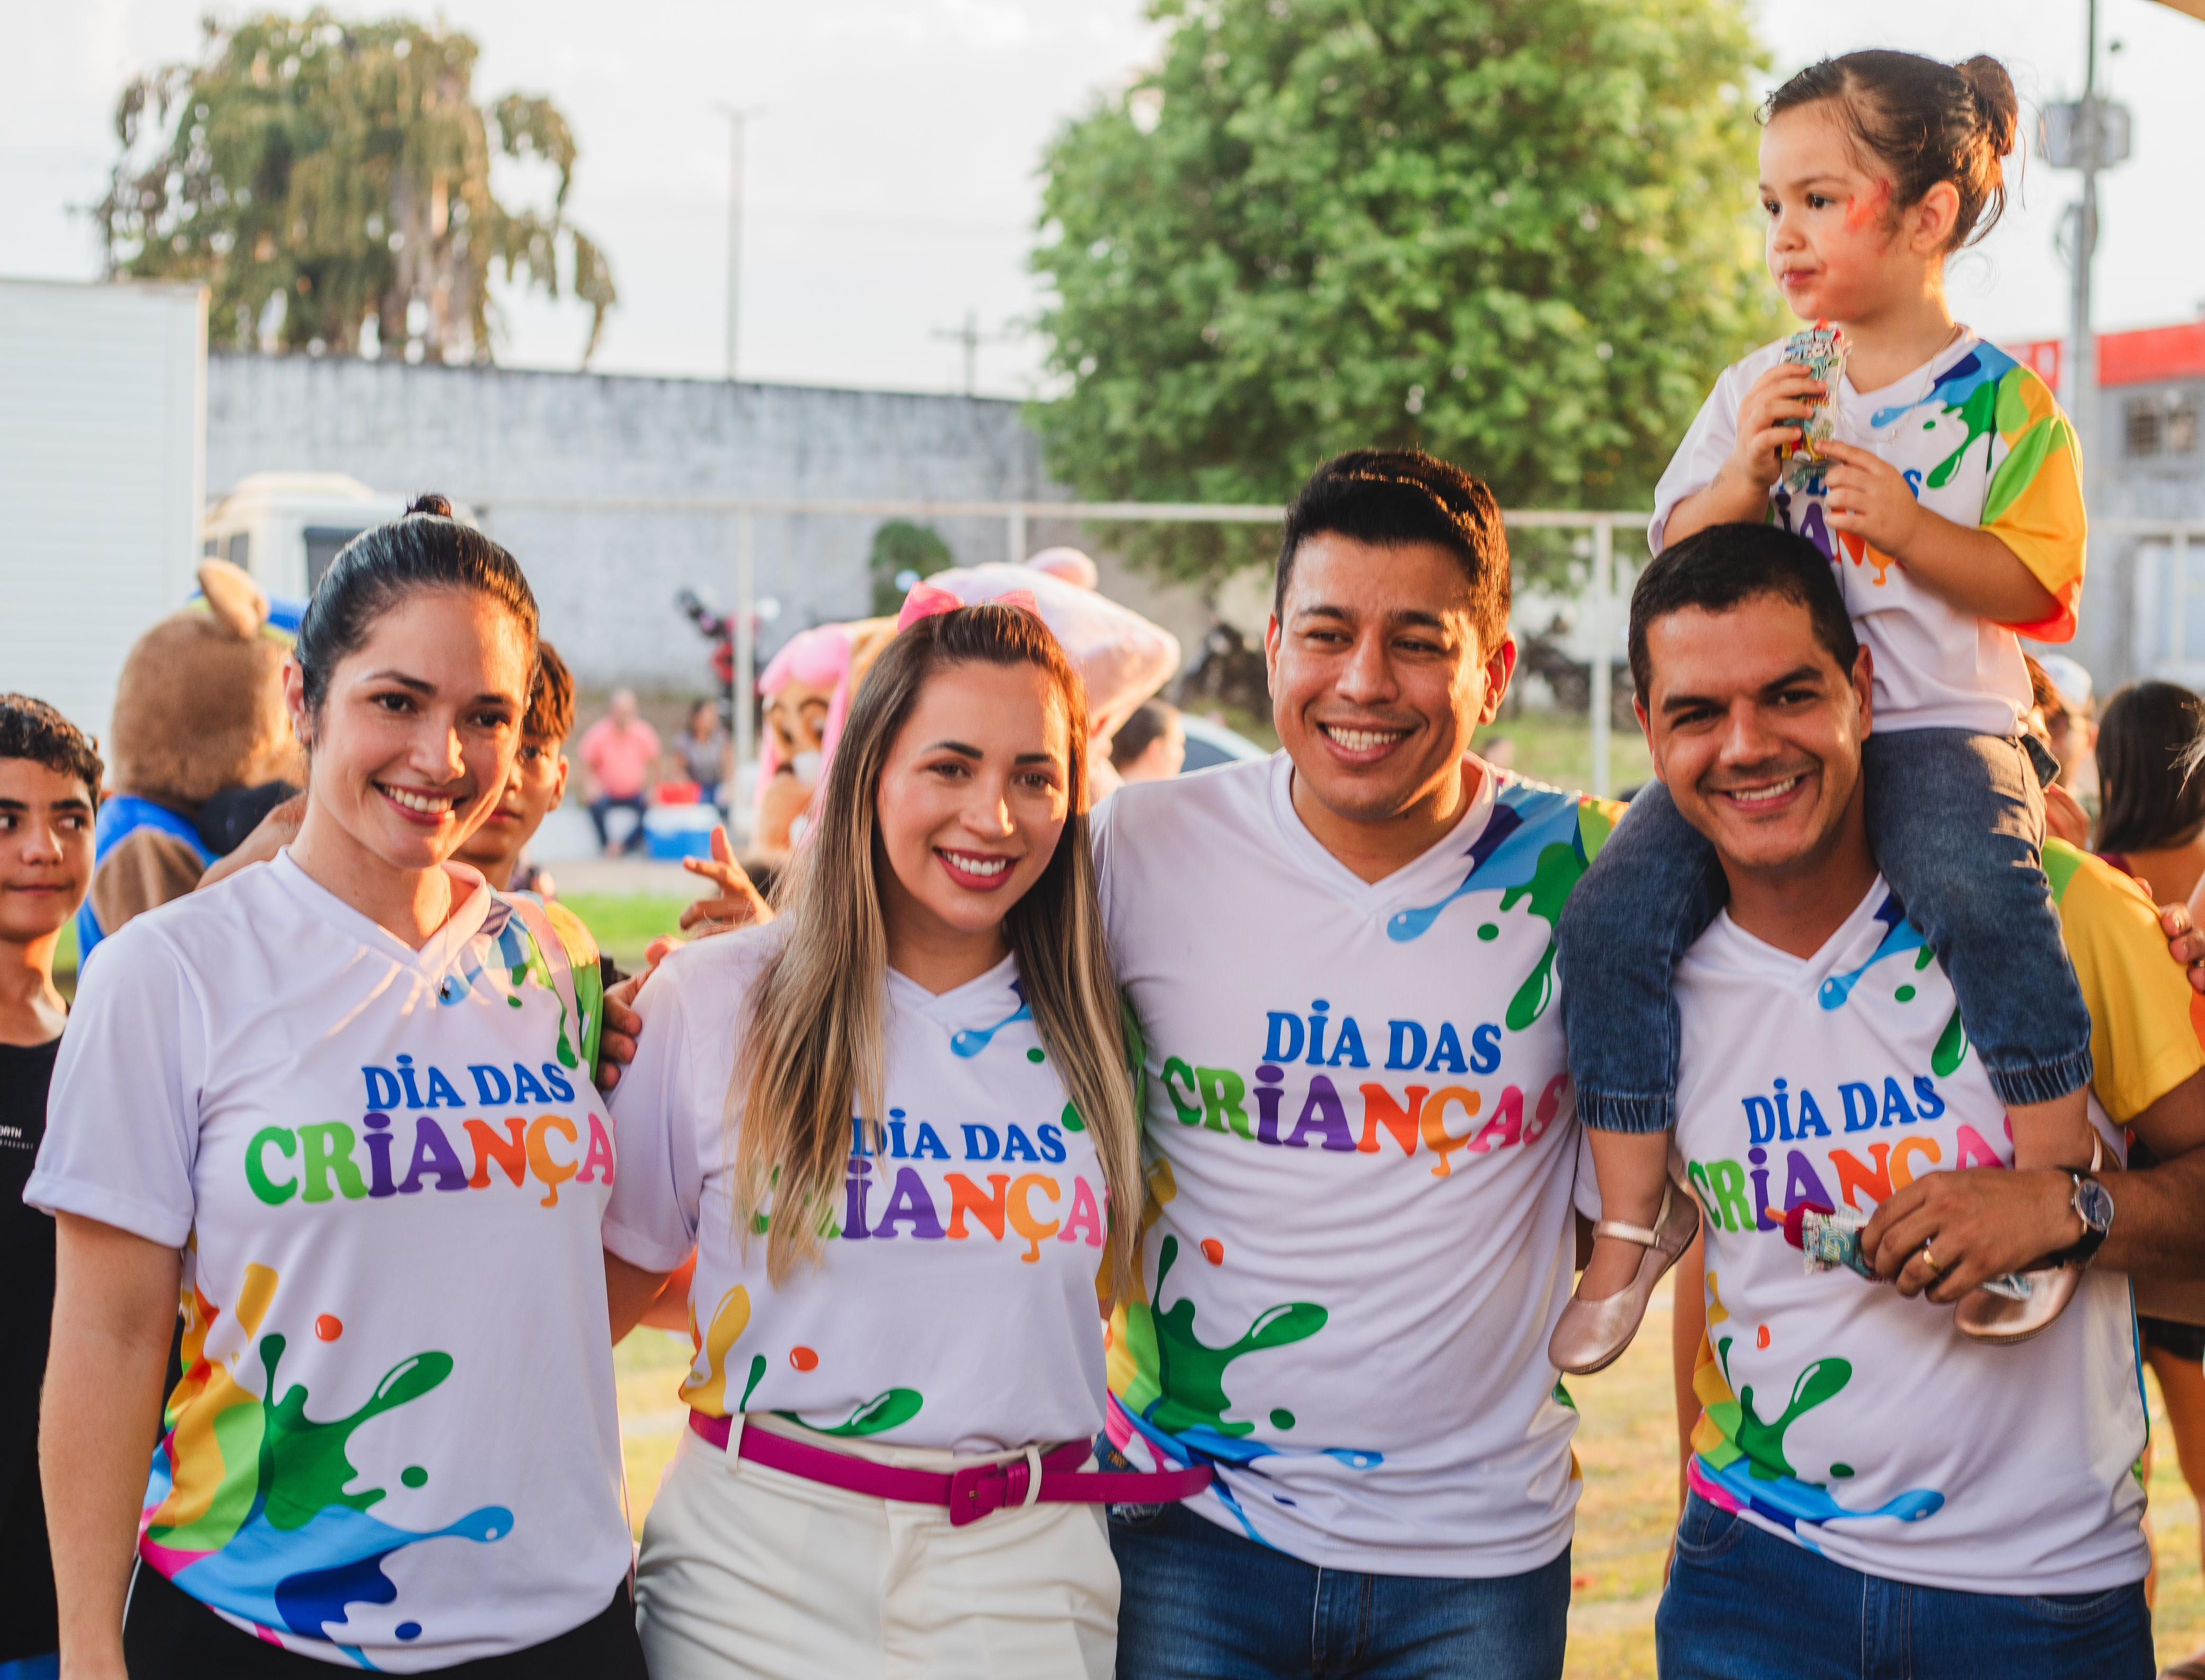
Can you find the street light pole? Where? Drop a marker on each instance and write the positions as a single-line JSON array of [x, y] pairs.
[[737, 120], [2082, 381]]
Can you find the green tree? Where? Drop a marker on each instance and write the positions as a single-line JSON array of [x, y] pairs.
[[1516, 232], [898, 547], [320, 176]]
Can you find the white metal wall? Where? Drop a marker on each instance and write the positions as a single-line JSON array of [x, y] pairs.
[[103, 471]]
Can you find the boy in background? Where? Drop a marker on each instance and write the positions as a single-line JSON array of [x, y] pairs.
[[538, 784], [50, 777]]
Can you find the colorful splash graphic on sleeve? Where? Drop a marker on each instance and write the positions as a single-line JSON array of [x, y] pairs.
[[1533, 850], [252, 1507], [1739, 1460]]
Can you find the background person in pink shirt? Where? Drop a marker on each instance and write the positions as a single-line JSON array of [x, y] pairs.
[[620, 751]]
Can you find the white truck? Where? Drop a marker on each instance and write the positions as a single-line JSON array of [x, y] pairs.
[[285, 528], [102, 474]]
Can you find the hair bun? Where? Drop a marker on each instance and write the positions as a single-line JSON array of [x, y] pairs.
[[1996, 103], [429, 501]]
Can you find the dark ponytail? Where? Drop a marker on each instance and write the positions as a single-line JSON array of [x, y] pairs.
[[2148, 744], [424, 549], [1924, 121]]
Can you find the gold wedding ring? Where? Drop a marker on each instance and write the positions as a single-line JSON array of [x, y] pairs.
[[1929, 1259]]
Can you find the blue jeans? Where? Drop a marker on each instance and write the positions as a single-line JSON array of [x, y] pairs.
[[1742, 1605], [1201, 1603], [1957, 823], [604, 804]]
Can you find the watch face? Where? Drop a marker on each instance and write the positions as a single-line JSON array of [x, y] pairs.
[[2094, 1203]]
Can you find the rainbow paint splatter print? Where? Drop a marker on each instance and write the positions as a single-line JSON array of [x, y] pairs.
[[252, 1507], [1738, 1460]]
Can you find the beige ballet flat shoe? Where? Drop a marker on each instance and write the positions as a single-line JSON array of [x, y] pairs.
[[2012, 1308], [1593, 1334]]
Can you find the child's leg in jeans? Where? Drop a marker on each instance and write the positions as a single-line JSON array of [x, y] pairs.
[[1957, 819], [1652, 890]]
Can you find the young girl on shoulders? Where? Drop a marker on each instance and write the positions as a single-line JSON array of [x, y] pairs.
[[1948, 496], [897, 1126]]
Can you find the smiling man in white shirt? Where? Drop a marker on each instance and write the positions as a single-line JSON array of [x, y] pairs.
[[1873, 1494], [1362, 1137]]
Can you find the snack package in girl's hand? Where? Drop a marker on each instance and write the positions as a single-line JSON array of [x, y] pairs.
[[1820, 349]]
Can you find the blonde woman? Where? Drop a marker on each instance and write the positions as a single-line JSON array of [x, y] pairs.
[[894, 1122]]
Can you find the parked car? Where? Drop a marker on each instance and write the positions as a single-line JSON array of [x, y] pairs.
[[1209, 745]]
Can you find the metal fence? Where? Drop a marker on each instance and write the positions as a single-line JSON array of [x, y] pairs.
[[742, 514]]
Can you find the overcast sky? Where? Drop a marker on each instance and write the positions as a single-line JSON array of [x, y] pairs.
[[891, 181]]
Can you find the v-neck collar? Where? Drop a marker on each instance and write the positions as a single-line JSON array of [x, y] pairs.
[[1874, 920], [1320, 865], [472, 897], [960, 1004], [1907, 392]]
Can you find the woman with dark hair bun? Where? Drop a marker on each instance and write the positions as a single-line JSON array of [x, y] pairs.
[[342, 1102]]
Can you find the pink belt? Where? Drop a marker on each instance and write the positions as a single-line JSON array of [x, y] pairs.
[[969, 1493]]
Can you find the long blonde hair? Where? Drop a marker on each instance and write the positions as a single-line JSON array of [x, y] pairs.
[[815, 1053]]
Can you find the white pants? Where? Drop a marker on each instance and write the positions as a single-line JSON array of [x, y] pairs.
[[749, 1573]]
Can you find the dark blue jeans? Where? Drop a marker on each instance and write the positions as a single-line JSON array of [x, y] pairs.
[[1742, 1605], [1957, 823], [1200, 1603], [604, 804]]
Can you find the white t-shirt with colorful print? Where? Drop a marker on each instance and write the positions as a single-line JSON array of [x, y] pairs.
[[955, 1303], [395, 1444], [1837, 1414], [1981, 441], [1362, 1142]]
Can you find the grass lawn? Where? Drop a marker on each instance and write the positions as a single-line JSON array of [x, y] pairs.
[[625, 923], [1627, 1444], [1557, 747], [648, 1367]]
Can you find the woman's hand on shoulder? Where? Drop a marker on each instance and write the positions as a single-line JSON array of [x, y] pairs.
[[274, 831], [622, 1027], [2185, 943]]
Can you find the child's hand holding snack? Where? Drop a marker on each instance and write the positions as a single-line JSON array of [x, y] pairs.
[[1775, 406]]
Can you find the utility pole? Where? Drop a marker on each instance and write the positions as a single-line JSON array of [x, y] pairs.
[[737, 120], [2088, 135], [971, 338], [2082, 394]]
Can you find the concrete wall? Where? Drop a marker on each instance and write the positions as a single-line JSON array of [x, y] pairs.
[[606, 581]]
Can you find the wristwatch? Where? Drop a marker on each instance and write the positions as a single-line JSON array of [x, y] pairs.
[[2093, 1204]]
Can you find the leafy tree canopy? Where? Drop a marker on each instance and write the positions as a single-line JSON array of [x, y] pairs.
[[900, 546], [320, 174], [1515, 232]]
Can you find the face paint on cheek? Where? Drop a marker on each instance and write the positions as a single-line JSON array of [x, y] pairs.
[[1867, 211]]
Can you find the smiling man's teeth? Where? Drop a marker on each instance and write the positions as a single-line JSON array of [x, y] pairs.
[[1364, 740], [1749, 796], [429, 804], [980, 866]]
